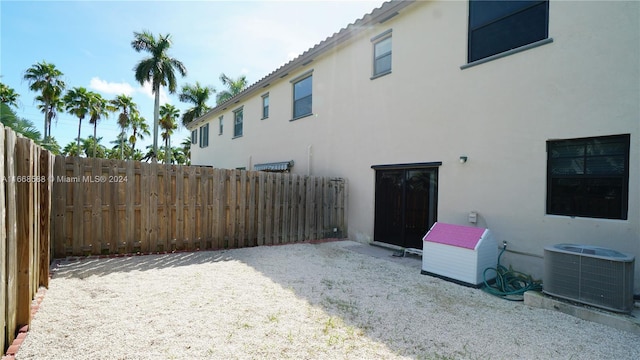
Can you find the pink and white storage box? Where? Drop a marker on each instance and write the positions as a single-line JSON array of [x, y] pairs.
[[459, 253]]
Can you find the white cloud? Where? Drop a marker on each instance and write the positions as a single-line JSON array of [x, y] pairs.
[[110, 87]]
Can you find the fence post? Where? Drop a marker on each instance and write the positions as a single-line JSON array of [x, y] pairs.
[[46, 173], [3, 245]]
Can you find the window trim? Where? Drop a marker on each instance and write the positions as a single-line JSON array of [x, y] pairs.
[[194, 136], [507, 53], [624, 139], [204, 136], [265, 114], [237, 111], [294, 81], [375, 41]]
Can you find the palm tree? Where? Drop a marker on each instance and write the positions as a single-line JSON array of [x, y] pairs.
[[198, 96], [8, 95], [51, 144], [169, 115], [77, 102], [121, 148], [56, 105], [98, 108], [71, 149], [126, 106], [186, 149], [45, 78], [234, 87], [25, 127], [137, 155], [179, 156], [139, 128], [158, 69], [92, 145]]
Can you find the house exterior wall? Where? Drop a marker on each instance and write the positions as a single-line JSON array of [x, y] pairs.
[[500, 114]]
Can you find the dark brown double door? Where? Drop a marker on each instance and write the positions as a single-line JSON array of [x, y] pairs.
[[405, 203]]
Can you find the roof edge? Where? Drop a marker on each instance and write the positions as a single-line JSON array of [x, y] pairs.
[[380, 14]]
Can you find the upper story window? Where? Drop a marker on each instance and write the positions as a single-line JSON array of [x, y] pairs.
[[237, 123], [382, 54], [302, 97], [499, 26], [194, 136], [589, 177], [204, 135], [265, 106], [220, 125]]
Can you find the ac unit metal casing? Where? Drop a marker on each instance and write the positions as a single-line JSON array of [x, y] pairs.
[[590, 275]]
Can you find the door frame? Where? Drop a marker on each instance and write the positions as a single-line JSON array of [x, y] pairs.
[[405, 167]]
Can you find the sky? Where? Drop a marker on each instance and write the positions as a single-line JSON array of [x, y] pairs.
[[90, 42]]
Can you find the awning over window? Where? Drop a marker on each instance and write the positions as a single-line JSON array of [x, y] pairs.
[[283, 166]]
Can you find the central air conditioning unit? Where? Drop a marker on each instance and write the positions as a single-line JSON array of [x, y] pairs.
[[590, 275]]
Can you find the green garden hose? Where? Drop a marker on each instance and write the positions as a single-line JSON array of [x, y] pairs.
[[510, 284]]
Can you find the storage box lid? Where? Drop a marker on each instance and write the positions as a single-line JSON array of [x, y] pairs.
[[454, 235]]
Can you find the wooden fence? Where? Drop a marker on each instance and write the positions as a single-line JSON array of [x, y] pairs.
[[77, 206], [109, 206], [25, 200]]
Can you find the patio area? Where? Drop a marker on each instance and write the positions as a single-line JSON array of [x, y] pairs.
[[334, 300]]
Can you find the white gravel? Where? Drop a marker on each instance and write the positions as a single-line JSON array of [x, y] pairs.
[[298, 301]]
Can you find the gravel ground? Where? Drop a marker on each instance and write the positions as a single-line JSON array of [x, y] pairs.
[[298, 301]]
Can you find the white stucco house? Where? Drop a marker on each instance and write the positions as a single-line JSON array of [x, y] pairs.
[[523, 114]]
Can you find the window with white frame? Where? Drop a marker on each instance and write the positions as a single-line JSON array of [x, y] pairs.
[[237, 123], [265, 106], [204, 135], [302, 97], [382, 54], [220, 125]]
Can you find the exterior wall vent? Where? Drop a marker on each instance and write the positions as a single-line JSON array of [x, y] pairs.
[[590, 275]]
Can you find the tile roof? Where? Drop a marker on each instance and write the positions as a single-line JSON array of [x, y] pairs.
[[380, 14]]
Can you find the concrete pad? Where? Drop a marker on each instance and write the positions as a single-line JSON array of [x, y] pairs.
[[626, 322]]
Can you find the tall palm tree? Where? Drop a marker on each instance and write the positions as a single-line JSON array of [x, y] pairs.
[[77, 102], [234, 87], [139, 129], [8, 95], [56, 105], [45, 78], [198, 96], [126, 106], [158, 69], [169, 115], [98, 108]]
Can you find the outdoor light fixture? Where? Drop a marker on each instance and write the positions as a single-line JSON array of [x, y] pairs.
[[463, 159]]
